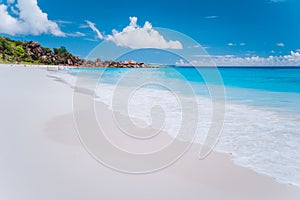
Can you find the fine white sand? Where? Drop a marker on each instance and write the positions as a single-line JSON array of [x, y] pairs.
[[41, 156]]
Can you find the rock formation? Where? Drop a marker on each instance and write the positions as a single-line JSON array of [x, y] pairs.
[[15, 51]]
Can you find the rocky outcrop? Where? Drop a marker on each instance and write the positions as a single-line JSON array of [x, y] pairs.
[[16, 51], [113, 64], [47, 56]]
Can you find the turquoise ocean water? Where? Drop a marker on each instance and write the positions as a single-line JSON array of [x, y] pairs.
[[262, 122]]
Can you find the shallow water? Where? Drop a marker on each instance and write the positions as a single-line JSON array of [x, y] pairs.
[[261, 127]]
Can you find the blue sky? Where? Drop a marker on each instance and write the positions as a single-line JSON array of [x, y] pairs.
[[256, 29]]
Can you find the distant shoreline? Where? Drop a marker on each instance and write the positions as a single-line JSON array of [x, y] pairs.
[[145, 67], [59, 67]]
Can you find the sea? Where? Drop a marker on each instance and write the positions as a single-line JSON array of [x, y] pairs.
[[261, 126]]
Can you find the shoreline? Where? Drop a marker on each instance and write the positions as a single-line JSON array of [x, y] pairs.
[[47, 144], [113, 65], [236, 155], [149, 67]]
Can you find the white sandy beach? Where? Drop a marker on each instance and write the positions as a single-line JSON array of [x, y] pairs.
[[41, 156]]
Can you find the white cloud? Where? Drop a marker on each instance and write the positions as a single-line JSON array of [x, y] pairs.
[[91, 40], [281, 44], [293, 56], [234, 44], [84, 26], [277, 1], [293, 59], [134, 37], [9, 25], [80, 34], [93, 27], [194, 46], [77, 34], [211, 17], [30, 20], [63, 22], [289, 60], [10, 1], [181, 62]]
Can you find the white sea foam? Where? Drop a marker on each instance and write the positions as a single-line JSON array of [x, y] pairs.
[[259, 138]]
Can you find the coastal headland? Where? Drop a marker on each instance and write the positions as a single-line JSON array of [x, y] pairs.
[[32, 53]]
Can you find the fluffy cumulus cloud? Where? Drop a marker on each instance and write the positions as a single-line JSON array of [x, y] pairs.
[[293, 59], [135, 36], [29, 19]]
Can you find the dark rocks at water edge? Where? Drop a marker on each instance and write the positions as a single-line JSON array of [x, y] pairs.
[[112, 64], [16, 51], [60, 56]]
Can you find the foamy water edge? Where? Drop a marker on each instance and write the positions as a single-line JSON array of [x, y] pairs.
[[268, 145]]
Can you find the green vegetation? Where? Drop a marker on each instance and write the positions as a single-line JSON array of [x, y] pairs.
[[12, 51], [61, 51]]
